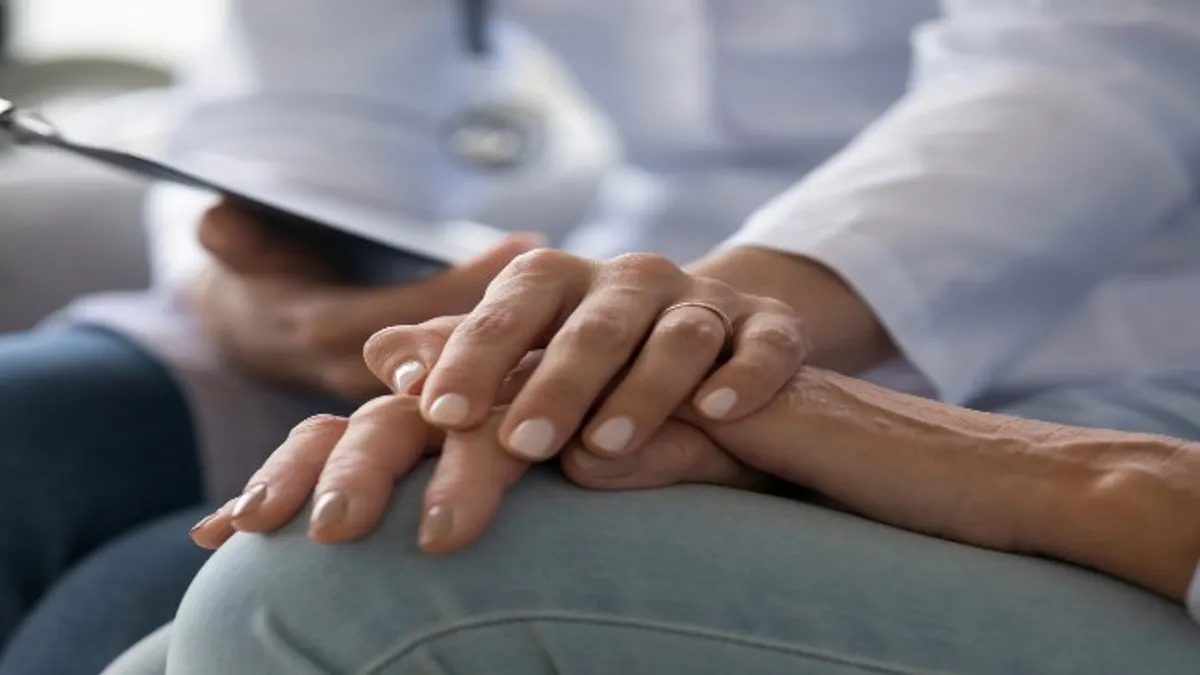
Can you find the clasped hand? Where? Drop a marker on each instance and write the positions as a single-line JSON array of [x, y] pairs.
[[617, 366]]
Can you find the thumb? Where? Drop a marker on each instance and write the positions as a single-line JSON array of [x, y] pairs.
[[246, 244], [677, 453]]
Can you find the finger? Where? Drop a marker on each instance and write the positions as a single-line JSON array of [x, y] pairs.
[[400, 356], [384, 440], [216, 529], [245, 244], [278, 491], [676, 453], [465, 492], [463, 285], [594, 344], [769, 349], [362, 312], [680, 352], [520, 307]]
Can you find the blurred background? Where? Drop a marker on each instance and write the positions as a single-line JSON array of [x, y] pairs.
[[101, 69], [55, 48]]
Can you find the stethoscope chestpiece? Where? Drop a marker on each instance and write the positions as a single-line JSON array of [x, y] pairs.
[[494, 136]]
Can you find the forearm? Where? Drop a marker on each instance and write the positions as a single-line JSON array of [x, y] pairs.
[[1121, 503], [844, 333], [1134, 515]]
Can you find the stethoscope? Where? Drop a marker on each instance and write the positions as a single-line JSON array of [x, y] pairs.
[[489, 133]]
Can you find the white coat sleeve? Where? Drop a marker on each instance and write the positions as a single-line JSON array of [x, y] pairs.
[[1039, 144]]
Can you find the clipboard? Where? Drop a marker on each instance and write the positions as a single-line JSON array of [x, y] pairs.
[[370, 246]]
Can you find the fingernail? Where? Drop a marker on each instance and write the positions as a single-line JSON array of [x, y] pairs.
[[533, 439], [436, 526], [613, 435], [719, 403], [407, 375], [329, 509], [449, 409], [250, 500], [203, 521]]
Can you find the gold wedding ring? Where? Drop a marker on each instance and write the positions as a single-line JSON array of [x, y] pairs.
[[726, 322]]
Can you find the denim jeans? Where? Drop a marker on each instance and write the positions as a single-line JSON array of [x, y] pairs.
[[95, 441], [691, 579]]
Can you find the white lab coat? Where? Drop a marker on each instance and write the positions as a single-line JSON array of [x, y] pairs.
[[1011, 184]]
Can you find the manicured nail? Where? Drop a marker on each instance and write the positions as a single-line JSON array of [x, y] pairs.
[[436, 526], [449, 409], [533, 439], [330, 508], [203, 521], [407, 375], [613, 435], [250, 500], [719, 403]]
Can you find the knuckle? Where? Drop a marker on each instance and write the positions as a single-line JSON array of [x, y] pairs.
[[691, 329], [783, 338], [319, 427], [541, 263], [602, 331], [774, 306], [647, 268], [489, 325]]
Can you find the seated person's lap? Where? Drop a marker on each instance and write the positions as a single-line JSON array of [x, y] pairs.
[[689, 579]]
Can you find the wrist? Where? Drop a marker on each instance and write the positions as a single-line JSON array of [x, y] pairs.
[[844, 333], [1129, 513]]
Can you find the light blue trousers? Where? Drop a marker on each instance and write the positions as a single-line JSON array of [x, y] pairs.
[[691, 580]]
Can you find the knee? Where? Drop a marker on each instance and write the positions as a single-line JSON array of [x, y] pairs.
[[267, 604]]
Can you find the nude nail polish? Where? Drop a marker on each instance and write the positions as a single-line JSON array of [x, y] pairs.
[[449, 409], [533, 439], [436, 526], [203, 521], [250, 500], [613, 435], [330, 508], [719, 403], [407, 375]]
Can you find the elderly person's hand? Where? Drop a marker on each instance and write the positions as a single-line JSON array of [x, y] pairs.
[[1116, 502], [276, 309], [626, 342], [348, 467], [1103, 499]]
